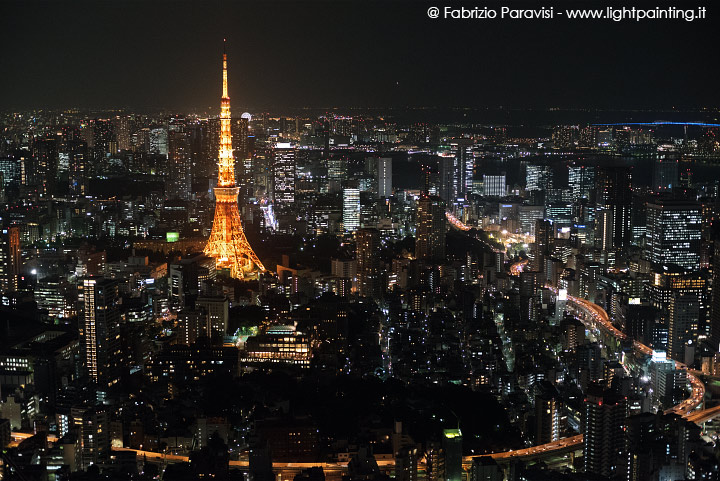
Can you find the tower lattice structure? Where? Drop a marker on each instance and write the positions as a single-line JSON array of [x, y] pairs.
[[227, 242]]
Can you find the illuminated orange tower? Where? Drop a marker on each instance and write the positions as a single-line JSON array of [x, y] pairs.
[[227, 242]]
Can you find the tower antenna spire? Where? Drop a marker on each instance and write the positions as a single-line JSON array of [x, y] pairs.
[[225, 76]]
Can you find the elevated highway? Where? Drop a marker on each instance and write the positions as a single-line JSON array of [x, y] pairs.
[[595, 317]]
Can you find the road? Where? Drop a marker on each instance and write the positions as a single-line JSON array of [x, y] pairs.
[[455, 222], [517, 268], [687, 408]]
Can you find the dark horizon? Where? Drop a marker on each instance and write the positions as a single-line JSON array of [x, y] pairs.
[[167, 54]]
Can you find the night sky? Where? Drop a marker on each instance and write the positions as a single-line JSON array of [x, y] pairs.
[[166, 54]]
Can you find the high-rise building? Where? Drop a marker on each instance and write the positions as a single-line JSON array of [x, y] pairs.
[[452, 445], [227, 242], [683, 315], [158, 141], [284, 168], [494, 185], [95, 433], [103, 136], [581, 180], [241, 143], [544, 237], [673, 233], [715, 307], [351, 210], [550, 419], [10, 258], [217, 309], [179, 165], [604, 433], [665, 174], [430, 229], [123, 128], [101, 330], [384, 177], [613, 207], [462, 151], [192, 325], [528, 215], [368, 264], [538, 177], [447, 178], [78, 170]]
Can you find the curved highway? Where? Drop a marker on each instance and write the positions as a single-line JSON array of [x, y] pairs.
[[687, 408], [455, 222]]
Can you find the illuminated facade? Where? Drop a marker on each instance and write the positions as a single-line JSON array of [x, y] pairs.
[[280, 344], [351, 210], [431, 229], [101, 330], [284, 171], [673, 233], [227, 243]]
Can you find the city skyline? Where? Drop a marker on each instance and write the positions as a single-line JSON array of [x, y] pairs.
[[443, 277]]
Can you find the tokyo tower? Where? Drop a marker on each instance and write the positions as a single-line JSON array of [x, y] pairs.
[[227, 242]]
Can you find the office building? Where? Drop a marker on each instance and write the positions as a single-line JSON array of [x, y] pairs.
[[613, 207], [683, 316], [10, 258], [538, 177], [673, 233], [284, 174], [351, 210], [384, 177], [664, 175], [581, 180], [494, 185], [430, 229], [464, 166], [179, 172]]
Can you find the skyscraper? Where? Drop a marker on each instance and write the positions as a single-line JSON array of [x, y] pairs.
[[77, 153], [665, 174], [368, 264], [538, 177], [462, 150], [384, 177], [683, 315], [544, 235], [673, 233], [227, 242], [715, 307], [494, 185], [431, 228], [178, 185], [101, 330], [581, 179], [351, 210], [613, 206], [158, 141], [10, 258], [284, 174], [447, 178], [604, 433]]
